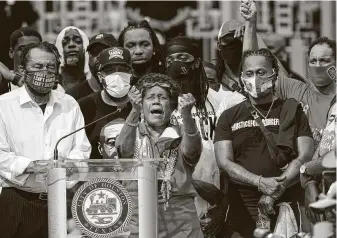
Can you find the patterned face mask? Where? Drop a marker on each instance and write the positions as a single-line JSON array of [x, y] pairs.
[[41, 81], [257, 86]]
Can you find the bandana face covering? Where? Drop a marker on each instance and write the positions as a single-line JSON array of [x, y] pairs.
[[179, 70], [117, 85], [231, 54], [41, 81], [257, 87], [323, 75]]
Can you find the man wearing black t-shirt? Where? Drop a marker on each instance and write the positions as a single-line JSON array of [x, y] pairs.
[[115, 71], [97, 43], [260, 176]]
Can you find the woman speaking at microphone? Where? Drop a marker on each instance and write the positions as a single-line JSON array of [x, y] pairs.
[[155, 137]]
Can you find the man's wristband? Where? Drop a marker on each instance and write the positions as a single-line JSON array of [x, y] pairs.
[[16, 79]]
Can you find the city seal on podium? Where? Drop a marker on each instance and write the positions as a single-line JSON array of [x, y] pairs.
[[102, 208]]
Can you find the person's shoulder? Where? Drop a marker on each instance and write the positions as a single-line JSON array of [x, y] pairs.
[[89, 101], [11, 95], [234, 110], [90, 97], [237, 106], [64, 99], [73, 91]]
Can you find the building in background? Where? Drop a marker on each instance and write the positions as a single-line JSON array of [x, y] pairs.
[[299, 22]]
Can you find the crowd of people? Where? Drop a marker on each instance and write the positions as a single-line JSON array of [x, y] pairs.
[[247, 142]]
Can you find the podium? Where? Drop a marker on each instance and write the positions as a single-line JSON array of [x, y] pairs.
[[53, 176]]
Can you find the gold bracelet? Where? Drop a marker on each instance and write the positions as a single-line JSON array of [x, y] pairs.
[[132, 124]]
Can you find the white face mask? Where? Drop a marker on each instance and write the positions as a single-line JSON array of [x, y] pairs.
[[257, 87], [117, 85]]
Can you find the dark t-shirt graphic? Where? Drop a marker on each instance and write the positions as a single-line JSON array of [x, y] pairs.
[[250, 148], [93, 108]]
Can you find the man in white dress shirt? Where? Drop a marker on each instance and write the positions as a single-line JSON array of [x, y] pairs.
[[32, 119]]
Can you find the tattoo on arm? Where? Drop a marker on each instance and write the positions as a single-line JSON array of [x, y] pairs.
[[224, 156]]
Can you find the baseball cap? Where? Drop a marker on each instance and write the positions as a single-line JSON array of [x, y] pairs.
[[114, 56], [103, 38], [228, 27]]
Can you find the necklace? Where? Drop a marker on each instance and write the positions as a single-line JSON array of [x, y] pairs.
[[268, 110]]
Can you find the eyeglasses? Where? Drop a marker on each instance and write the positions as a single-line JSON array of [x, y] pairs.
[[110, 143]]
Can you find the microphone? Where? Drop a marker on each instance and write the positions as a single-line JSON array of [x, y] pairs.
[[63, 137]]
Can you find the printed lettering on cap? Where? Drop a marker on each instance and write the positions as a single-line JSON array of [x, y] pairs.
[[116, 53], [99, 36]]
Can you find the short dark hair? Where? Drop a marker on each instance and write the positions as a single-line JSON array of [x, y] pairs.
[[154, 79], [45, 46], [158, 60], [23, 31], [321, 41]]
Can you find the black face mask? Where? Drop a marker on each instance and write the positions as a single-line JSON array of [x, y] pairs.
[[182, 73], [179, 70], [231, 54]]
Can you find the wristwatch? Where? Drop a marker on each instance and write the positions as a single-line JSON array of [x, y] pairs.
[[303, 169]]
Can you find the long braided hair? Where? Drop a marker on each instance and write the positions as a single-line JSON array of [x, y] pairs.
[[201, 88], [260, 52], [158, 60], [199, 77]]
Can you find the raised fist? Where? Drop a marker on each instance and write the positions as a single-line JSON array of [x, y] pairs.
[[135, 98], [186, 103], [248, 9]]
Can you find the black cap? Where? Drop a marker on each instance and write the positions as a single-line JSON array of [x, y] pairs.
[[103, 38], [114, 56]]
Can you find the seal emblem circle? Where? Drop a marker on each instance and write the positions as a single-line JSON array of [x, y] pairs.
[[102, 208]]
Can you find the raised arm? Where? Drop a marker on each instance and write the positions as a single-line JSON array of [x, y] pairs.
[[125, 142], [249, 12], [191, 139]]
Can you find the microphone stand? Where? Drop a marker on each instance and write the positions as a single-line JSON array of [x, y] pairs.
[[57, 212], [63, 137]]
